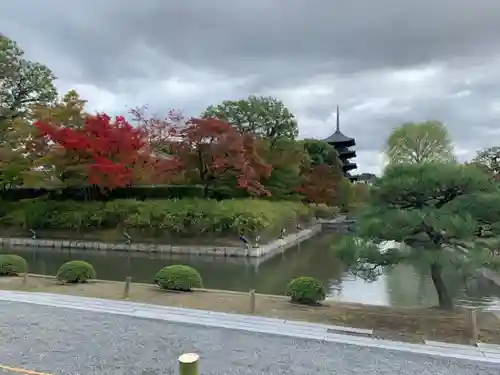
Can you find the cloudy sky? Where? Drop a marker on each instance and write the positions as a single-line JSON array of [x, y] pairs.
[[384, 62]]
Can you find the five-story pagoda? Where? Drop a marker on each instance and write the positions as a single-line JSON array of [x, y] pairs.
[[343, 145]]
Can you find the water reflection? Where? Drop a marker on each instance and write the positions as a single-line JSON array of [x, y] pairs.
[[405, 285]]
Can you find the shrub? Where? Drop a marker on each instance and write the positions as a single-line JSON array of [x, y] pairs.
[[172, 216], [76, 271], [306, 290], [12, 265], [322, 211], [178, 277]]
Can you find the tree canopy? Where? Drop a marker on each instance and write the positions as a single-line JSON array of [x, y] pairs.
[[321, 152], [418, 143], [489, 159], [262, 116], [22, 82], [445, 212], [239, 147]]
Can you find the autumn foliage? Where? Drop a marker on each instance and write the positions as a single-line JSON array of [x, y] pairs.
[[319, 184], [209, 152], [111, 151], [236, 149], [213, 148]]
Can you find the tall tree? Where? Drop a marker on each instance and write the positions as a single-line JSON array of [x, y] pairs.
[[287, 158], [489, 159], [320, 184], [52, 164], [418, 143], [447, 213], [22, 82], [321, 152], [214, 149], [158, 130], [262, 116]]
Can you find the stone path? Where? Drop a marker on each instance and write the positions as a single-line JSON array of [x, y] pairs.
[[71, 335]]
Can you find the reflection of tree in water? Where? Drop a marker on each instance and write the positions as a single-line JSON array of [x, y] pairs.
[[411, 285], [313, 258], [480, 290]]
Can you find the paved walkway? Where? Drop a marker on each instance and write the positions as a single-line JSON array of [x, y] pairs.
[[59, 334]]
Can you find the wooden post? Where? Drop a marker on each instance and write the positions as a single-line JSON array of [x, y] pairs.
[[188, 364], [25, 280], [252, 301], [126, 291], [474, 332]]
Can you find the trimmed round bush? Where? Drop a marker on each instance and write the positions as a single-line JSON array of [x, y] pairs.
[[12, 265], [178, 277], [306, 290], [76, 271]]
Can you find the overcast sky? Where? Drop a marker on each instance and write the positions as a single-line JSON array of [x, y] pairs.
[[384, 62]]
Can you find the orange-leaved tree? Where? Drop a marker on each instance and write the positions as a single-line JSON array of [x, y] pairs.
[[214, 149]]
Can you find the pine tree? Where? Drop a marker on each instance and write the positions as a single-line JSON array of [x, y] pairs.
[[447, 213]]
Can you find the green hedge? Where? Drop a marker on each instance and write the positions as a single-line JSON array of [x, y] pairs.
[[322, 211], [178, 277], [93, 193], [306, 290], [76, 271], [12, 265], [183, 216]]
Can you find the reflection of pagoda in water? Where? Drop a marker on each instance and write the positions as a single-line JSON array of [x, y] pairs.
[[343, 146]]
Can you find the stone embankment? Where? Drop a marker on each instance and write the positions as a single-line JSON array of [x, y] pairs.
[[267, 250], [339, 224]]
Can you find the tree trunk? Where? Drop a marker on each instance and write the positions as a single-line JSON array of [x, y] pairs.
[[445, 300]]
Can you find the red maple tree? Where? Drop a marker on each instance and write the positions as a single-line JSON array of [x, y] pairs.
[[214, 148], [319, 184], [114, 151]]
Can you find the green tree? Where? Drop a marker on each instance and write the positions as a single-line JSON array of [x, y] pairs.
[[53, 165], [321, 152], [447, 213], [287, 158], [418, 143], [260, 115], [22, 82], [489, 159]]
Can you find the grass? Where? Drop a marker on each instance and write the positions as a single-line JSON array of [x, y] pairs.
[[410, 325]]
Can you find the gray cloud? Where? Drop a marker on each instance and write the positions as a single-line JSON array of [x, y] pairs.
[[384, 62]]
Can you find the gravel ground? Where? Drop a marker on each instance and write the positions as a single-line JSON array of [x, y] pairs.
[[66, 341]]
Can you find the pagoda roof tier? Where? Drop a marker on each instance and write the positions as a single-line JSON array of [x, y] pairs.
[[347, 154], [349, 166], [338, 139]]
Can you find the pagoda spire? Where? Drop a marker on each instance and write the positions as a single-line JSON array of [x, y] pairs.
[[338, 119]]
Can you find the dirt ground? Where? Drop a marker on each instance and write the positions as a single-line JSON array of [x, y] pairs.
[[411, 325]]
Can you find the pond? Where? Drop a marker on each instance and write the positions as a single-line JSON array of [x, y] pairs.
[[405, 285]]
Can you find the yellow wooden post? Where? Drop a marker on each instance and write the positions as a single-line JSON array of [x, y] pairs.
[[188, 364]]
